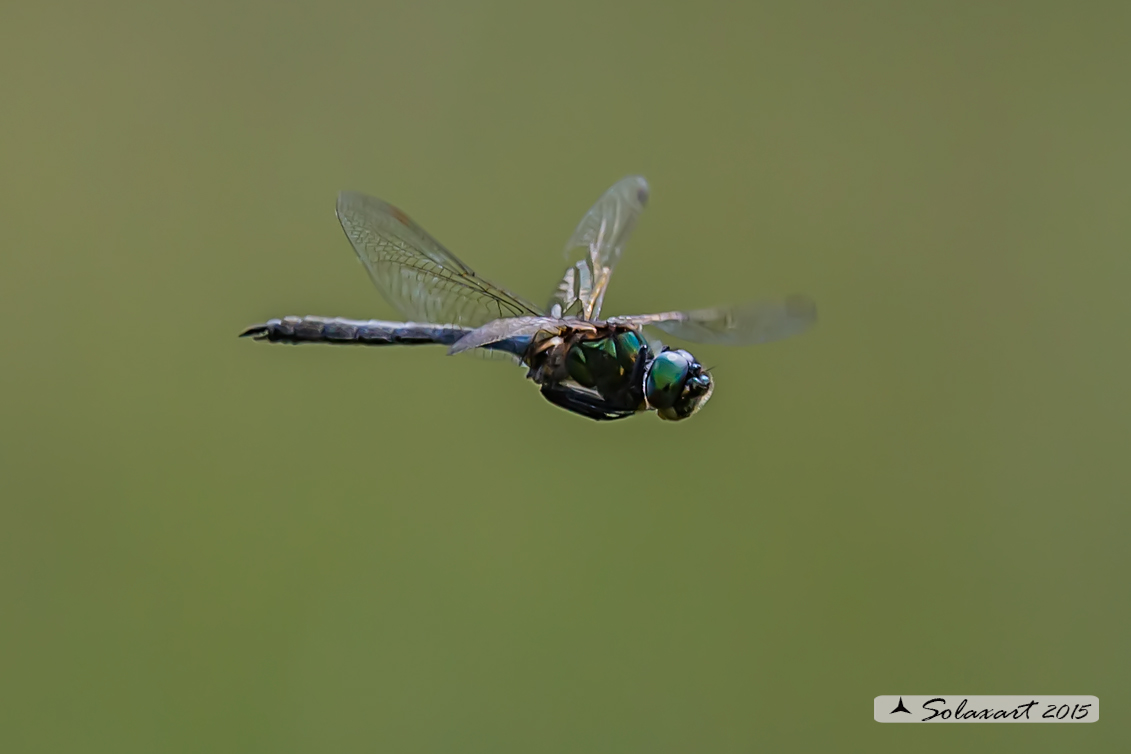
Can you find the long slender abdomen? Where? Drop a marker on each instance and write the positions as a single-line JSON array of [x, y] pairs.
[[371, 332]]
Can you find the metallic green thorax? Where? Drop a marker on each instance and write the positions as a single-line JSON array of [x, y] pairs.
[[595, 369], [604, 364]]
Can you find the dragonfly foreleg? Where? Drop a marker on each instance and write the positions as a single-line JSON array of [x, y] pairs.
[[584, 403]]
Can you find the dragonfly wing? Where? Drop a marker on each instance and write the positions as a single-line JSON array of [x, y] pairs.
[[505, 329], [596, 247], [740, 325], [417, 275]]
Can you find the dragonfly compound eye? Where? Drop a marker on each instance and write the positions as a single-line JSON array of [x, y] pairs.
[[677, 386], [666, 377]]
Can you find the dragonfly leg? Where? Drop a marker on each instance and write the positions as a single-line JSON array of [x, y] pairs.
[[584, 403]]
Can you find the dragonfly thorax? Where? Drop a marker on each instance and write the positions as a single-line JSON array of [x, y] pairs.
[[604, 364], [600, 359], [614, 362]]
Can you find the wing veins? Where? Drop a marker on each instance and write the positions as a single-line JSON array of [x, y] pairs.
[[415, 273]]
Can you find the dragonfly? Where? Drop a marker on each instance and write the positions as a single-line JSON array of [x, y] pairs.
[[601, 369]]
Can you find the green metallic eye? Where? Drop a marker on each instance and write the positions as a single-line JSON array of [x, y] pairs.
[[676, 385], [666, 377]]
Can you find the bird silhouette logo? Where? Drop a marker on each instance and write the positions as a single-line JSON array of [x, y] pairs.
[[900, 708]]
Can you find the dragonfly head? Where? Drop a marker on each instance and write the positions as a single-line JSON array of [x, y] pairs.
[[676, 385]]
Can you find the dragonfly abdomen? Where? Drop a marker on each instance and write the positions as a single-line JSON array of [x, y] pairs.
[[371, 332]]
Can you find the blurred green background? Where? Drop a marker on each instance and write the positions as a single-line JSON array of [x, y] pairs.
[[210, 544]]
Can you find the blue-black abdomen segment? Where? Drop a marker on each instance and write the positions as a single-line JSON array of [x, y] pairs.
[[364, 332], [604, 364]]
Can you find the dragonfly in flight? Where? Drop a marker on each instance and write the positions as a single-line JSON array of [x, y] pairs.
[[602, 369]]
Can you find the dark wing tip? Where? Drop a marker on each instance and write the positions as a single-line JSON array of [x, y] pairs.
[[256, 331], [643, 191]]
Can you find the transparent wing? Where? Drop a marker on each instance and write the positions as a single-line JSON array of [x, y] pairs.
[[514, 327], [418, 276], [600, 238], [741, 325]]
